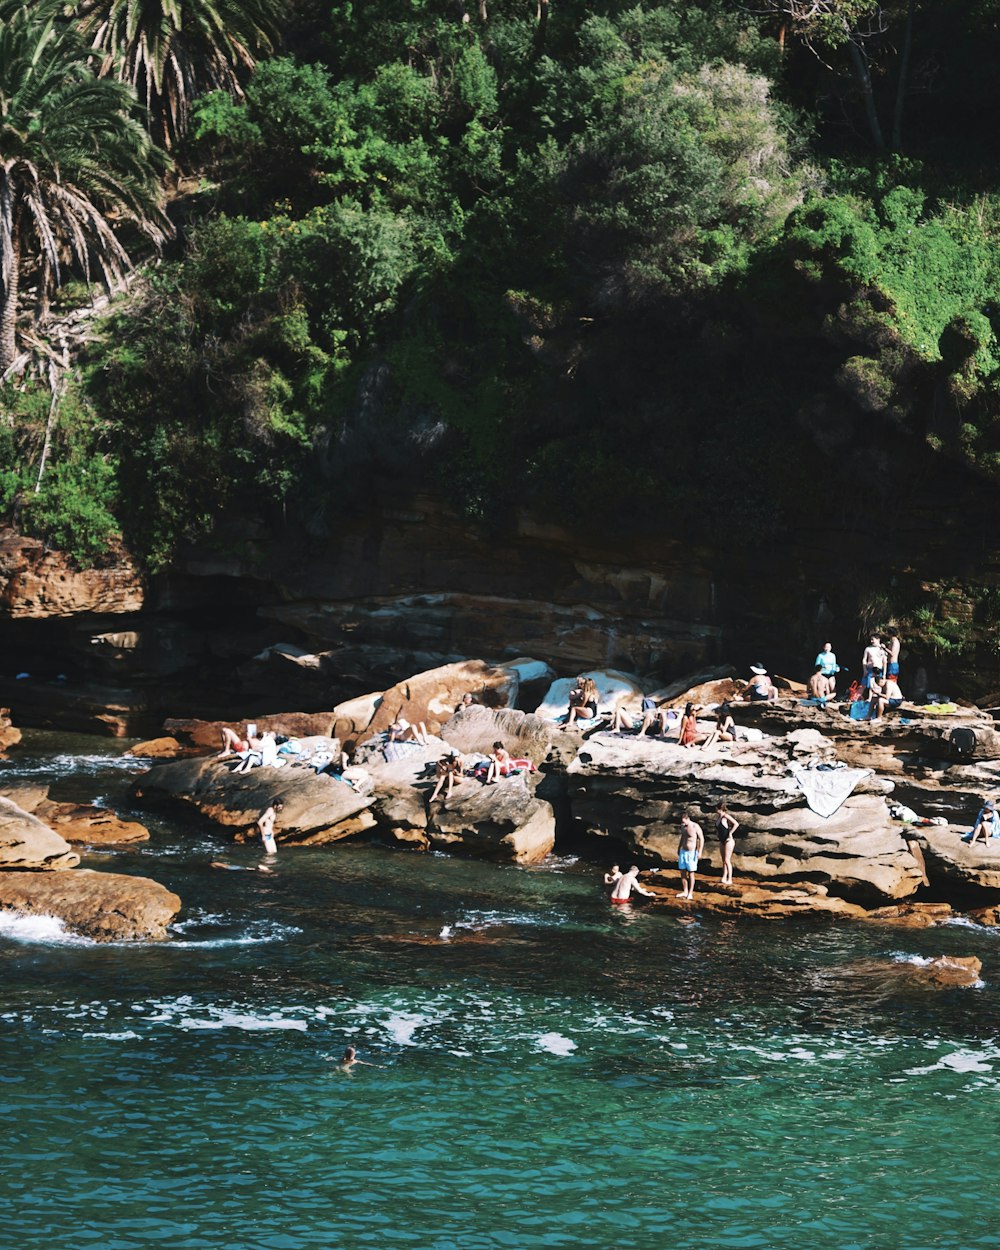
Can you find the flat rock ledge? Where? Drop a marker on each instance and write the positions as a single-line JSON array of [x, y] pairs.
[[26, 843], [316, 808]]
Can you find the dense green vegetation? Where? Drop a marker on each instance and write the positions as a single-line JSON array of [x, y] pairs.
[[613, 255]]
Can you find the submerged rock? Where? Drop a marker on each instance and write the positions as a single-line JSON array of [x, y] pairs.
[[104, 906], [27, 843], [316, 808]]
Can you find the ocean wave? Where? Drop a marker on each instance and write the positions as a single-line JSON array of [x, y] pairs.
[[47, 930]]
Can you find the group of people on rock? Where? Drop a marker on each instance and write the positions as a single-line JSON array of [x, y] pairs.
[[879, 685], [690, 849]]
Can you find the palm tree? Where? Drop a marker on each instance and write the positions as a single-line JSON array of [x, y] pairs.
[[172, 50], [75, 163]]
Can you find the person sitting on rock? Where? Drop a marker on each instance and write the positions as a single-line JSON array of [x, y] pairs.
[[760, 688], [660, 719], [448, 772], [467, 700], [265, 757], [987, 824], [501, 765], [819, 685], [884, 693], [826, 662], [724, 731], [402, 731], [582, 701], [687, 732], [622, 721]]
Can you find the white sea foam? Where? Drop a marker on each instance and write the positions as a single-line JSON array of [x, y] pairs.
[[401, 1025], [555, 1044], [47, 930], [958, 1061], [225, 1018], [126, 1036]]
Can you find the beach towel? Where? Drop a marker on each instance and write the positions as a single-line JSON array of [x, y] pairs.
[[826, 790]]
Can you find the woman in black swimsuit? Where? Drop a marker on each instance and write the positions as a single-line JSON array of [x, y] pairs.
[[582, 701], [725, 828]]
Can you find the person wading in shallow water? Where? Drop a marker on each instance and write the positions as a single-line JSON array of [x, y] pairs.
[[626, 883]]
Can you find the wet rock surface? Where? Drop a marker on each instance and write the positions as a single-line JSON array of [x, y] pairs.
[[28, 843], [103, 906]]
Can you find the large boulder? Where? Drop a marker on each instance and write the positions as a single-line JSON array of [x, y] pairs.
[[316, 808], [207, 734], [614, 689], [26, 842], [104, 906], [503, 821], [525, 735], [636, 790], [955, 864], [432, 697]]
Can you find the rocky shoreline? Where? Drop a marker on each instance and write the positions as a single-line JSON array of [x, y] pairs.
[[615, 790]]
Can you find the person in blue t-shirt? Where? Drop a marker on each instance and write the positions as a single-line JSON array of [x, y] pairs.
[[827, 664]]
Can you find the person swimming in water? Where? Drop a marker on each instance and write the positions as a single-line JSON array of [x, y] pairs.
[[626, 883], [350, 1060]]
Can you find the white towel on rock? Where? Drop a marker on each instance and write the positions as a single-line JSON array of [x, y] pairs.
[[827, 789]]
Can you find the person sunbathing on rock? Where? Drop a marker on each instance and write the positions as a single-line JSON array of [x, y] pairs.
[[448, 772], [233, 744], [660, 719], [402, 731], [819, 685], [265, 757], [760, 688], [687, 732], [987, 825], [884, 692], [724, 731], [582, 701], [501, 764]]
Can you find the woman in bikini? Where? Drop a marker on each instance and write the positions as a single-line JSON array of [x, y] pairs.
[[582, 701], [501, 765], [725, 829], [724, 731]]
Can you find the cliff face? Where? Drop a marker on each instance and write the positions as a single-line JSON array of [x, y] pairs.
[[402, 589]]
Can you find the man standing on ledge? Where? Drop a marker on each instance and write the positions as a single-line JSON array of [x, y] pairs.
[[689, 849], [625, 884]]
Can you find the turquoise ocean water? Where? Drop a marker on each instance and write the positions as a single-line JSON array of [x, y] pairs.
[[549, 1073]]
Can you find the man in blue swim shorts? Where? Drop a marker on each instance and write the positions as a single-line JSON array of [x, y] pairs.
[[689, 848]]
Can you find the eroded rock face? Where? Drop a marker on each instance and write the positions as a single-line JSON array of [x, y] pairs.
[[636, 790], [503, 821], [89, 825], [104, 906], [165, 748], [316, 808], [432, 697], [207, 734], [35, 583], [9, 735], [957, 863], [526, 736], [28, 843]]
